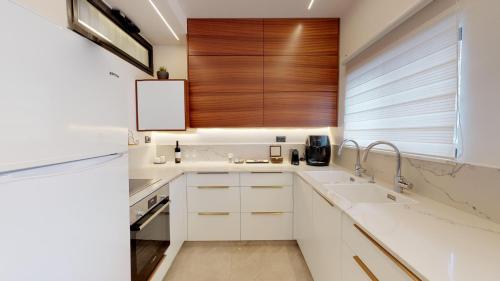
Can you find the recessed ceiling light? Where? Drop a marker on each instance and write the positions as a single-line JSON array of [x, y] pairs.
[[163, 19], [310, 4]]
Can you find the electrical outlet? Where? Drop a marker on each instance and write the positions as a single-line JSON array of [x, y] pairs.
[[280, 138], [147, 139]]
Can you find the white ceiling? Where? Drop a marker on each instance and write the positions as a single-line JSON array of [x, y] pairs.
[[177, 11]]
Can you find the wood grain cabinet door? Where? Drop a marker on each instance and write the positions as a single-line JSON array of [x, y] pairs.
[[226, 37], [225, 74], [300, 109], [230, 110], [314, 37], [300, 73]]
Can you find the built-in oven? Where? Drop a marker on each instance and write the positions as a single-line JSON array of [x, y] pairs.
[[149, 232]]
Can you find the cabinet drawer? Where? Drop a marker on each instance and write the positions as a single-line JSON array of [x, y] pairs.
[[266, 199], [266, 226], [213, 199], [266, 179], [216, 226], [375, 258], [352, 269], [213, 179]]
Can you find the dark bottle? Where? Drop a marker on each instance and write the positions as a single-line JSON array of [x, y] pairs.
[[177, 152]]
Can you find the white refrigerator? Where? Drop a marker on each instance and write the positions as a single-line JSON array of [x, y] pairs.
[[63, 154]]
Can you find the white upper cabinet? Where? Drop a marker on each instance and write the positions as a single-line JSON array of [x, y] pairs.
[[161, 105]]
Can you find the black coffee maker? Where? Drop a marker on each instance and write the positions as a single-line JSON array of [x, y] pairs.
[[318, 150]]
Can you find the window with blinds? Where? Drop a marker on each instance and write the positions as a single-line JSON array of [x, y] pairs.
[[406, 92]]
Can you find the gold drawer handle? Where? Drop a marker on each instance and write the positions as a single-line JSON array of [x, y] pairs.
[[267, 213], [365, 268], [212, 186], [213, 213], [401, 266], [267, 186]]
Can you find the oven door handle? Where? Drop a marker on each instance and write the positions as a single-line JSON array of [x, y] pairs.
[[139, 227]]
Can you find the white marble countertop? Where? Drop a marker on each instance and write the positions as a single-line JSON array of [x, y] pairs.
[[436, 241]]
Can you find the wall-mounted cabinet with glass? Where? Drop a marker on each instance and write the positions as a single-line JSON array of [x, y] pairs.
[[94, 20]]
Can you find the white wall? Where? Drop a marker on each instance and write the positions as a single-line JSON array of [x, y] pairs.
[[368, 20], [53, 10], [480, 96], [173, 57]]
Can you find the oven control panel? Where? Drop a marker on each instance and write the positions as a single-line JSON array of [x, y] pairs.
[[140, 208]]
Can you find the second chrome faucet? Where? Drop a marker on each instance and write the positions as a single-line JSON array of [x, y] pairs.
[[400, 183]]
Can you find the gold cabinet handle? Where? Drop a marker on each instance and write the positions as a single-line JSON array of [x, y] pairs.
[[365, 268], [267, 213], [213, 213], [212, 186], [401, 266], [267, 186]]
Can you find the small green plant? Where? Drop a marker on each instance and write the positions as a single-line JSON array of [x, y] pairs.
[[162, 69]]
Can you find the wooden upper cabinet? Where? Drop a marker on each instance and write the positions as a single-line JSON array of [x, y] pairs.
[[300, 109], [314, 37], [226, 74], [300, 73], [227, 37], [209, 110]]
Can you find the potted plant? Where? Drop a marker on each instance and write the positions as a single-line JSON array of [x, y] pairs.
[[162, 73]]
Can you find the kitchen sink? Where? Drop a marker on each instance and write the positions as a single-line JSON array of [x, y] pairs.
[[368, 193], [334, 177]]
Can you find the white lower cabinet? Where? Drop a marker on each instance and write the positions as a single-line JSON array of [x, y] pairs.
[[327, 221], [266, 226], [370, 257], [317, 228], [352, 269], [267, 198], [178, 212], [213, 199], [234, 206], [213, 226], [302, 217]]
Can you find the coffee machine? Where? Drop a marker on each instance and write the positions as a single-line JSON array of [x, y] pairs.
[[318, 150]]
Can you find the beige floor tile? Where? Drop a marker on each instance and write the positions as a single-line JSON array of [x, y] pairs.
[[239, 261]]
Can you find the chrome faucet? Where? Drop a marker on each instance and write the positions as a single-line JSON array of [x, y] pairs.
[[400, 183], [358, 170]]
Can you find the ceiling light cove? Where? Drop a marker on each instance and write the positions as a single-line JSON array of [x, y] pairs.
[[163, 19], [310, 4]]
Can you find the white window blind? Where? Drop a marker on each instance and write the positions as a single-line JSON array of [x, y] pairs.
[[406, 91]]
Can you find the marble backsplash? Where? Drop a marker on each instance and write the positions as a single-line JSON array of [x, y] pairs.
[[470, 188], [192, 153]]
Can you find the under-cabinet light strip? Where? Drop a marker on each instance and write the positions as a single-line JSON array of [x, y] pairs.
[[163, 19]]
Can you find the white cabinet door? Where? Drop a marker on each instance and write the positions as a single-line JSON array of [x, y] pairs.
[[178, 211], [161, 105], [327, 221], [303, 223]]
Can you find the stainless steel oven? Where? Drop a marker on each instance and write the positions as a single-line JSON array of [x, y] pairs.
[[149, 231]]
